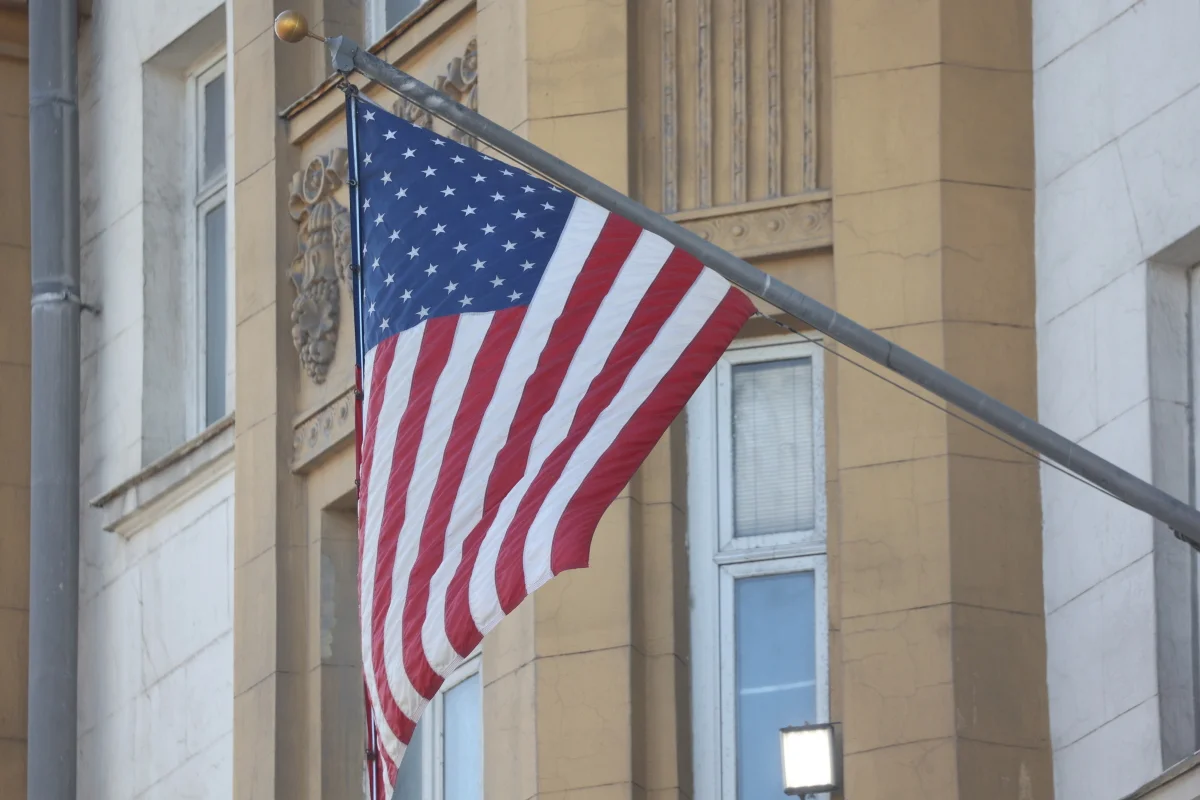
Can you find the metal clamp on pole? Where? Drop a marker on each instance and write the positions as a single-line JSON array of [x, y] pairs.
[[348, 56]]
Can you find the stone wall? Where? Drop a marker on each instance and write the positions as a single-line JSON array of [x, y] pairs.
[[1117, 114]]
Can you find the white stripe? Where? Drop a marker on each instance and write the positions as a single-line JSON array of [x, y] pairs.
[[395, 401], [640, 269], [448, 393], [684, 324], [579, 236]]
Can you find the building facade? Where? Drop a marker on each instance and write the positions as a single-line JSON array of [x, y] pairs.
[[806, 544]]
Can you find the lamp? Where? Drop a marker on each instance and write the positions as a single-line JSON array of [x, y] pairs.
[[810, 759]]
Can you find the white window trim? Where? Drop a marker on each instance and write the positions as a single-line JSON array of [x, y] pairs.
[[204, 198], [433, 735], [716, 559], [376, 18]]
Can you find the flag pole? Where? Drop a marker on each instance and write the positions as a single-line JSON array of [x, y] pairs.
[[347, 56]]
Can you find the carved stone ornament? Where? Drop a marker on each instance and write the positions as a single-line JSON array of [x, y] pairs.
[[322, 259], [461, 83]]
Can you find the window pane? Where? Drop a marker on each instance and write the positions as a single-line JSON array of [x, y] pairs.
[[214, 314], [397, 10], [213, 134], [775, 674], [773, 489], [408, 777], [463, 772]]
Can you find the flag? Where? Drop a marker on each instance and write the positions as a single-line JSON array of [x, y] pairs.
[[523, 350]]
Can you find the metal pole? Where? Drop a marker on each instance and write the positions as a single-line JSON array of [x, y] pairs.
[[1182, 518], [54, 432]]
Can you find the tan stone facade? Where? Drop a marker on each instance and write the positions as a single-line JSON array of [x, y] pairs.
[[876, 155]]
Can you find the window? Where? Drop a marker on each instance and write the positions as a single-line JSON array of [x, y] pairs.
[[383, 15], [210, 249], [445, 759], [756, 544]]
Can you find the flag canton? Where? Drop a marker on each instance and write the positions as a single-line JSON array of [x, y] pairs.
[[443, 229]]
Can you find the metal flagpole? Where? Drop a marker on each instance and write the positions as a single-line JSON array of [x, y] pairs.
[[348, 56]]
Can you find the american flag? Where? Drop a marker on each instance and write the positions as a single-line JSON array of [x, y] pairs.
[[523, 349]]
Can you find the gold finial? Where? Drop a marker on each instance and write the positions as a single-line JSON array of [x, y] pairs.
[[291, 26]]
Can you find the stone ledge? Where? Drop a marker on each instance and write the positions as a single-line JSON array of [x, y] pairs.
[[168, 482], [776, 227], [319, 433], [1180, 782]]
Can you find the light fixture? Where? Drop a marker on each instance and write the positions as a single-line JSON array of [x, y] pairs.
[[810, 759]]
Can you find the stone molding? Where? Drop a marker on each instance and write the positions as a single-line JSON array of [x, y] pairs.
[[322, 260], [766, 228], [460, 82], [167, 483], [320, 432]]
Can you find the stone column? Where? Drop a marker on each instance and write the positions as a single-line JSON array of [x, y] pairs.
[[943, 637], [14, 399]]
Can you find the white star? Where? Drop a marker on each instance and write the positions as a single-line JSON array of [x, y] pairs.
[[420, 212], [458, 159], [527, 189], [528, 265], [518, 214], [364, 248], [407, 295], [375, 264], [497, 197], [370, 115], [447, 192], [487, 158], [395, 236], [423, 313], [390, 135], [367, 203], [409, 153], [451, 286], [429, 172], [458, 248], [506, 172], [432, 269], [556, 189], [488, 228], [479, 178], [497, 281], [547, 206], [367, 158], [469, 210], [387, 177], [439, 142], [478, 265], [515, 296], [402, 193], [383, 325], [413, 252], [371, 310], [390, 279], [538, 233], [439, 229], [379, 219], [466, 301], [508, 246]]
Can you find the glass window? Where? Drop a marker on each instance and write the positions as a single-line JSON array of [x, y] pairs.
[[756, 549], [213, 134], [397, 10], [214, 314]]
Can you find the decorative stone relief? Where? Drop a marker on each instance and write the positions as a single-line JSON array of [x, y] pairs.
[[773, 229], [322, 259], [317, 435], [460, 82]]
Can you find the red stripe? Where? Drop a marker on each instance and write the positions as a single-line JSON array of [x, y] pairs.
[[661, 299], [477, 395], [603, 263], [573, 536], [435, 350]]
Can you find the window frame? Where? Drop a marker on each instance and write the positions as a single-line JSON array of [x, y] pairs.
[[376, 18], [433, 735], [205, 196], [717, 559]]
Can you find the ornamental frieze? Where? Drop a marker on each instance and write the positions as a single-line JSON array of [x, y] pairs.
[[460, 82]]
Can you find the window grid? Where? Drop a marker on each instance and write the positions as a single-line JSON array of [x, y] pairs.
[[718, 559]]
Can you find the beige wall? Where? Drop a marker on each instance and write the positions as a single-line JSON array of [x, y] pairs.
[[14, 400]]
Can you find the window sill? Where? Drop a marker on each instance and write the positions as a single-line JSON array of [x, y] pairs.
[[170, 481]]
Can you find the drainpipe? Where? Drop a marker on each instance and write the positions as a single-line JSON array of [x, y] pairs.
[[54, 432]]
